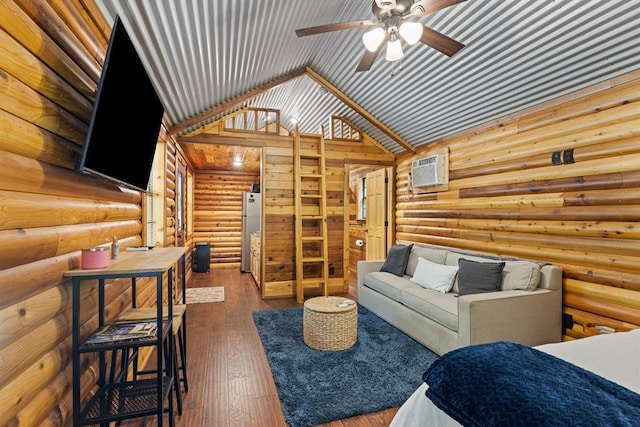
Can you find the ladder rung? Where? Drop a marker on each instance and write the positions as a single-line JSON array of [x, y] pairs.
[[312, 238], [313, 259], [311, 196], [311, 217], [314, 281], [310, 156], [310, 175]]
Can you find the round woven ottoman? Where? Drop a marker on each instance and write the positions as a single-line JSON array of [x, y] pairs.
[[330, 323]]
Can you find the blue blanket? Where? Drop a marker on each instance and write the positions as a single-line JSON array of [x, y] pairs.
[[508, 384]]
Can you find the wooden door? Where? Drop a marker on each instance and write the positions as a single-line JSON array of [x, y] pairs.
[[376, 211]]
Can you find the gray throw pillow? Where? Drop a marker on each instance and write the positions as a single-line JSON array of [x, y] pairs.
[[479, 277], [397, 259]]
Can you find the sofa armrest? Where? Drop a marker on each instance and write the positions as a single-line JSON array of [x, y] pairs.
[[526, 317], [368, 266]]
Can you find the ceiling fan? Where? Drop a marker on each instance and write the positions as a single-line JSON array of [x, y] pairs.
[[393, 24]]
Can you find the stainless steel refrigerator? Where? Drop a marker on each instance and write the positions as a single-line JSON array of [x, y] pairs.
[[251, 207]]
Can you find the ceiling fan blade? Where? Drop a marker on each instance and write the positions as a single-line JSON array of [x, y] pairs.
[[440, 42], [425, 7], [369, 57], [309, 31]]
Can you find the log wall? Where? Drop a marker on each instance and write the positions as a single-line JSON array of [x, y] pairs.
[[507, 196], [217, 213], [51, 56]]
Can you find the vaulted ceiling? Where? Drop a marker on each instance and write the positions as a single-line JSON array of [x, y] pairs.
[[210, 57]]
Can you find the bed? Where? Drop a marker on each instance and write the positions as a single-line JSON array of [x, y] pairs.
[[610, 360]]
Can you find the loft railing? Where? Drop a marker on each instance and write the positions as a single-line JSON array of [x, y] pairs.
[[341, 129], [253, 120]]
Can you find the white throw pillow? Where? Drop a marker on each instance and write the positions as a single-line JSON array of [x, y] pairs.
[[431, 275]]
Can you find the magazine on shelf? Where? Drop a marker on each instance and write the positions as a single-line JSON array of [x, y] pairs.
[[124, 331]]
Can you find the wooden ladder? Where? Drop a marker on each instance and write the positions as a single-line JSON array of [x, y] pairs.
[[312, 247]]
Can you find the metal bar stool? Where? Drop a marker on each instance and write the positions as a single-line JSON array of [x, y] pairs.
[[179, 324]]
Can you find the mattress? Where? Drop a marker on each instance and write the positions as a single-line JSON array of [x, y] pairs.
[[612, 356]]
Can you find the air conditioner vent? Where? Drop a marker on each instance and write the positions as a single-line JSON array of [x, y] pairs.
[[428, 171]]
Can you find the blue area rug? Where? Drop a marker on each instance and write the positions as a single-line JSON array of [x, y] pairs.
[[380, 371]]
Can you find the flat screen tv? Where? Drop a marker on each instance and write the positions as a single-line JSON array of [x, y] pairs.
[[126, 118]]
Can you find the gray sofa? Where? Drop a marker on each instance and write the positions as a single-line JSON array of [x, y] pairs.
[[526, 309]]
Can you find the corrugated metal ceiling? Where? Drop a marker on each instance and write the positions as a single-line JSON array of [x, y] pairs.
[[518, 53]]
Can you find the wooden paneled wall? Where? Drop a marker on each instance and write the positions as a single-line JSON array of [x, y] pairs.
[[50, 62], [217, 213], [506, 196]]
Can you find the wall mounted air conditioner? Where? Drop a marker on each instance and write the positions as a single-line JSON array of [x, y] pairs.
[[428, 171]]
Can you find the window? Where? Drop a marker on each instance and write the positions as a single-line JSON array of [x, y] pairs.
[[362, 198]]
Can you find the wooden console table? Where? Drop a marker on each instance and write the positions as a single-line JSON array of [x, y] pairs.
[[127, 399]]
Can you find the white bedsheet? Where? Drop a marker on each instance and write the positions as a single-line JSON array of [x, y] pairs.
[[613, 356]]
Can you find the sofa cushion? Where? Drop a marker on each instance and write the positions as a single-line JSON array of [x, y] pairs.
[[431, 275], [432, 254], [524, 275], [439, 307], [388, 284], [397, 258], [478, 277]]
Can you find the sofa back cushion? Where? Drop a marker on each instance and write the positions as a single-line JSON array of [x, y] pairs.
[[435, 276], [524, 275], [479, 277], [397, 258], [435, 255]]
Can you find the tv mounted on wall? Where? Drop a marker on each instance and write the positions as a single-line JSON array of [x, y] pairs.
[[126, 118]]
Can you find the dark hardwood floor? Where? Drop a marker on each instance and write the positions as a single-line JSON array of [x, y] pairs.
[[230, 382]]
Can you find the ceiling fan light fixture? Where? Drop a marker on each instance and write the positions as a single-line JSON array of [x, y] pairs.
[[394, 50], [386, 4], [411, 32], [373, 38]]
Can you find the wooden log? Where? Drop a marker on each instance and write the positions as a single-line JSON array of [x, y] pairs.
[[25, 139], [25, 103], [608, 95], [20, 392], [79, 27], [45, 404], [27, 210], [24, 281], [42, 178], [499, 202], [598, 151], [602, 293], [604, 213], [603, 308], [21, 27], [608, 125], [24, 66], [624, 163], [601, 276], [571, 184], [620, 230], [47, 19], [30, 245]]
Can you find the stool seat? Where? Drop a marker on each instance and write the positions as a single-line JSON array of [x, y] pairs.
[[179, 312], [150, 313]]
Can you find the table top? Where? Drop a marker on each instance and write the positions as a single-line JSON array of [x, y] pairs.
[[328, 304], [156, 260]]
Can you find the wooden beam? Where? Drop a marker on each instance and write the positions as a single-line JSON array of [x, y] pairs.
[[358, 109], [241, 139], [203, 117]]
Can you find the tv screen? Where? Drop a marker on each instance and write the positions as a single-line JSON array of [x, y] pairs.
[[126, 118]]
